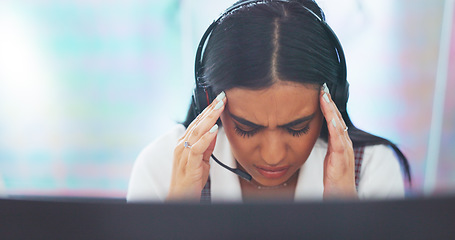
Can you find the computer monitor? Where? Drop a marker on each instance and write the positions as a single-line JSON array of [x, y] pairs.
[[429, 218]]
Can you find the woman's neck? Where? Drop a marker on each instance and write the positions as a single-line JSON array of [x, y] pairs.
[[253, 191]]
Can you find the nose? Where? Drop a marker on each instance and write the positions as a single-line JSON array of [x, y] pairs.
[[273, 148]]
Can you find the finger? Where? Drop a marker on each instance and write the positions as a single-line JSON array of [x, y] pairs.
[[179, 155], [201, 148], [209, 151], [207, 111], [206, 122], [330, 111], [193, 135], [220, 97], [206, 155], [337, 112], [201, 115], [327, 109], [338, 139], [325, 89]]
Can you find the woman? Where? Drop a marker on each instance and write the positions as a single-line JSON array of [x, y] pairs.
[[269, 62]]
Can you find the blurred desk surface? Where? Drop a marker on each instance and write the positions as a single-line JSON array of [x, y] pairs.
[[432, 218]]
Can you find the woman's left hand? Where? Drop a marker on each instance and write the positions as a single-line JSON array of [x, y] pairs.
[[339, 164]]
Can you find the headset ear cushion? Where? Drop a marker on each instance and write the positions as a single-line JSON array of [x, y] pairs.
[[345, 96], [202, 97], [209, 95], [340, 94]]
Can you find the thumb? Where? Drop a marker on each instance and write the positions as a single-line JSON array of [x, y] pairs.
[[209, 151]]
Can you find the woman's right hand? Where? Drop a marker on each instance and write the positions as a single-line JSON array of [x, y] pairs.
[[191, 166]]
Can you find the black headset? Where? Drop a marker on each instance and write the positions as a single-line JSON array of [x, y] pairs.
[[203, 94]]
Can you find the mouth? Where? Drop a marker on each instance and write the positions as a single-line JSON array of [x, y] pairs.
[[272, 172]]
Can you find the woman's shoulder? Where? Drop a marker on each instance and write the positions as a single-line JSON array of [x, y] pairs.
[[380, 152], [152, 169], [164, 142], [381, 174], [159, 152]]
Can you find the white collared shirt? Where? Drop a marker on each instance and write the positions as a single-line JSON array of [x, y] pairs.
[[380, 175]]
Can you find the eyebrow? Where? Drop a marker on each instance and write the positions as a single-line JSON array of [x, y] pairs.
[[287, 125]]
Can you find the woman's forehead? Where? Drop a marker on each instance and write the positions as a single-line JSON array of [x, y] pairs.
[[279, 89], [277, 103]]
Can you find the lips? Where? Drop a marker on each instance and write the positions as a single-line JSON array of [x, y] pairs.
[[272, 172]]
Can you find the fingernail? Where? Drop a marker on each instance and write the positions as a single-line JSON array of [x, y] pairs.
[[220, 96], [334, 123], [219, 105], [326, 98], [214, 128], [325, 88]]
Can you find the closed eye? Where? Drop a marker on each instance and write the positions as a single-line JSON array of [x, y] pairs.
[[245, 133], [296, 128], [299, 132], [249, 133]]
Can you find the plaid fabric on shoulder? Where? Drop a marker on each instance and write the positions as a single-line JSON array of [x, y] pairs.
[[358, 157], [206, 195]]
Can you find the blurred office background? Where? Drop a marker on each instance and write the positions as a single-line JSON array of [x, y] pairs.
[[85, 85]]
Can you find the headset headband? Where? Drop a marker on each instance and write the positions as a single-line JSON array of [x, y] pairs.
[[339, 90]]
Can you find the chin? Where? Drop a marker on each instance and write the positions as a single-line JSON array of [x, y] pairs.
[[271, 181]]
